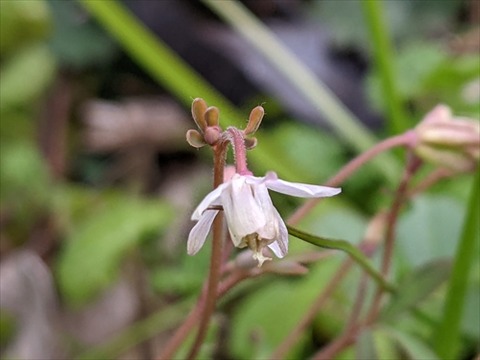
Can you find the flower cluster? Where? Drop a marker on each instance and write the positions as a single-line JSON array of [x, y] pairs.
[[251, 218]]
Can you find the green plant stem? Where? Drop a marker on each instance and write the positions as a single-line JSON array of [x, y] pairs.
[[382, 51], [344, 123], [351, 250], [447, 336]]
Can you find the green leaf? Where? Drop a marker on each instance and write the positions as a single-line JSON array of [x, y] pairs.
[[417, 286], [22, 22], [429, 230], [414, 64], [78, 46], [412, 346], [375, 344], [91, 257], [306, 141], [269, 314], [23, 175], [25, 76]]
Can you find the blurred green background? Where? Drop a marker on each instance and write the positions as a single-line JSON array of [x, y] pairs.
[[97, 183]]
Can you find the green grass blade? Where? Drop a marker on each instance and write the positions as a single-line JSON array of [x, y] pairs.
[[384, 60], [447, 336], [344, 123]]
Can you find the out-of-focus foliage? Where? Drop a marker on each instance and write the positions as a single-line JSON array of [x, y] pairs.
[[99, 238], [78, 43], [428, 75], [23, 22], [122, 215]]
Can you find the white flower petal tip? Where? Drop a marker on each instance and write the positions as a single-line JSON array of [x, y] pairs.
[[301, 190], [200, 231]]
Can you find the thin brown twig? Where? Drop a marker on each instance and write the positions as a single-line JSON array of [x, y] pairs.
[[193, 317], [399, 200], [216, 258], [351, 327]]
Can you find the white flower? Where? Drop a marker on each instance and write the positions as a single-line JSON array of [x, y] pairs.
[[251, 217]]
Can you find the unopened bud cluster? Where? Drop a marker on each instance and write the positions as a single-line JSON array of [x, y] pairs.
[[207, 120], [453, 142]]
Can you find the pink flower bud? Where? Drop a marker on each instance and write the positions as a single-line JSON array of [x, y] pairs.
[[449, 141]]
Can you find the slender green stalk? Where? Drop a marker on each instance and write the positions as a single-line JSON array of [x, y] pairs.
[[384, 60], [351, 250], [447, 336], [172, 72], [345, 124]]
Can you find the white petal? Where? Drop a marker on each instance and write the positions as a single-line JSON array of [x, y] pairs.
[[242, 212], [210, 199], [269, 230], [280, 246], [254, 180], [301, 190], [199, 232]]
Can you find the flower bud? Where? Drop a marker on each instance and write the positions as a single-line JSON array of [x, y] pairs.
[[449, 141], [199, 106], [211, 116], [195, 139], [250, 143], [254, 120], [212, 134]]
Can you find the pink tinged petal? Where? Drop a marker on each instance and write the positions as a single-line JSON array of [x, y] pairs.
[[200, 231], [280, 246], [209, 200], [301, 190], [243, 214]]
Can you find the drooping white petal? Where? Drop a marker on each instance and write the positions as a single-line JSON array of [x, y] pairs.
[[199, 232], [301, 190], [269, 230], [280, 245], [242, 212], [210, 199]]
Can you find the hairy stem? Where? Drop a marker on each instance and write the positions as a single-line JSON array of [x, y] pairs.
[[237, 141]]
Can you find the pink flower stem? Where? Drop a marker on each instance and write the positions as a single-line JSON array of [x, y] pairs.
[[400, 197], [405, 139], [237, 139]]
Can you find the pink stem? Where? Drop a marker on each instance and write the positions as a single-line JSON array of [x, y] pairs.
[[236, 138]]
